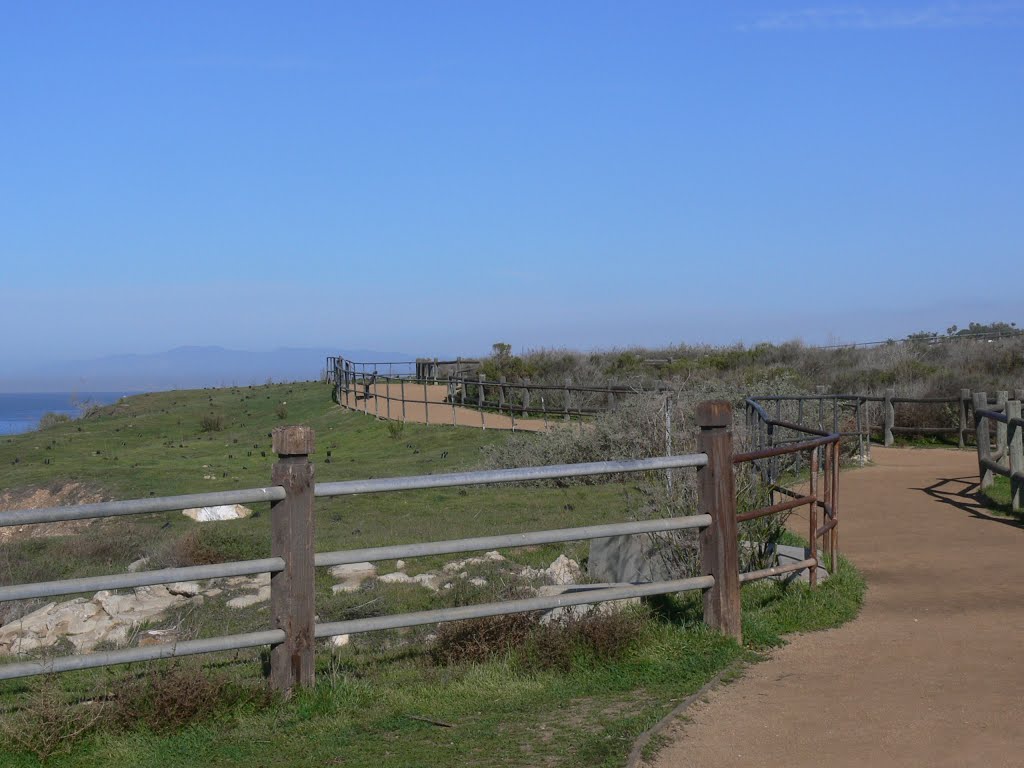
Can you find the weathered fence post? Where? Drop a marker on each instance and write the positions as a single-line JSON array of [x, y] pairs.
[[1015, 447], [820, 390], [401, 385], [1001, 431], [860, 432], [566, 402], [980, 402], [526, 398], [717, 497], [451, 396], [291, 590], [501, 393], [480, 391], [965, 399], [889, 414]]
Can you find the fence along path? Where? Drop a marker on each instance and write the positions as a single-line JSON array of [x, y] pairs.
[[294, 626], [928, 675], [422, 403]]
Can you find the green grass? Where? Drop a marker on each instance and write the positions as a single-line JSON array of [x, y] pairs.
[[152, 445], [363, 709], [997, 498]]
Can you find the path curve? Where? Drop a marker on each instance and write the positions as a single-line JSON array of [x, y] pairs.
[[429, 404], [932, 671]]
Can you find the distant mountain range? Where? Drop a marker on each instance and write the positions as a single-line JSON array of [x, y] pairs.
[[182, 368]]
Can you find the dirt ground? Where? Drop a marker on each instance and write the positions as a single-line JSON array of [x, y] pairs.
[[385, 401], [932, 671]]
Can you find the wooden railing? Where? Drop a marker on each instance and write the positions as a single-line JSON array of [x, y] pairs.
[[293, 627], [1006, 457]]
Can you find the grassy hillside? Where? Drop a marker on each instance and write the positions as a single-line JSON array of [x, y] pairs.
[[572, 697]]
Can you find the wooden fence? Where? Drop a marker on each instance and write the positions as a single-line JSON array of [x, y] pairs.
[[1006, 456], [858, 418], [293, 626]]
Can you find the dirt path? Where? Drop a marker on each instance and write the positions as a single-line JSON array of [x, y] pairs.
[[932, 671], [385, 401]]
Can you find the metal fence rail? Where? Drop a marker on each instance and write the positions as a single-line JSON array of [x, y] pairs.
[[139, 506], [292, 562]]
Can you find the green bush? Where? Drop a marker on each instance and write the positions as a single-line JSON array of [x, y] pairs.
[[51, 419], [211, 422]]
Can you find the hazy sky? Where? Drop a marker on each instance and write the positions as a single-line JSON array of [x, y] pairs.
[[438, 176]]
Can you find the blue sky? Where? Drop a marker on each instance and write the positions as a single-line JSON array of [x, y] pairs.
[[433, 177]]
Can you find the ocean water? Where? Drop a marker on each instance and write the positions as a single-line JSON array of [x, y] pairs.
[[20, 412]]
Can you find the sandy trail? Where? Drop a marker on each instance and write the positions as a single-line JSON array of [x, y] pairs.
[[930, 673], [385, 400]]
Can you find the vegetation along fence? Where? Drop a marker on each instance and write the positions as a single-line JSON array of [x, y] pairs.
[[860, 418], [293, 628], [437, 389], [1006, 458]]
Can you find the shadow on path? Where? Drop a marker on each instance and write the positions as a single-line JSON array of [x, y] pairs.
[[965, 494]]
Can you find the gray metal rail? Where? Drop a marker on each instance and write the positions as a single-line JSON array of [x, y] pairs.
[[141, 579], [487, 477], [481, 543], [482, 610], [140, 506], [149, 653]]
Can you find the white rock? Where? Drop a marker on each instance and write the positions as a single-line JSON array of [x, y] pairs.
[[244, 601], [138, 565], [106, 618], [478, 582], [564, 571], [352, 576], [397, 578], [351, 569], [400, 565], [184, 588], [220, 512], [339, 641], [494, 556], [578, 611], [429, 580]]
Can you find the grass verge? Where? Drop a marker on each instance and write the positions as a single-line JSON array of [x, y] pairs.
[[997, 498], [566, 701], [401, 707]]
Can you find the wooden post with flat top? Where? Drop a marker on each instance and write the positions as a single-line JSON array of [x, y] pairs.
[[717, 497], [1015, 447], [291, 590], [982, 439]]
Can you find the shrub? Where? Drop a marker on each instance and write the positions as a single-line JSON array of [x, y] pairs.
[[48, 723], [51, 419], [169, 697], [594, 636], [478, 640], [281, 411], [396, 429], [211, 422]]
